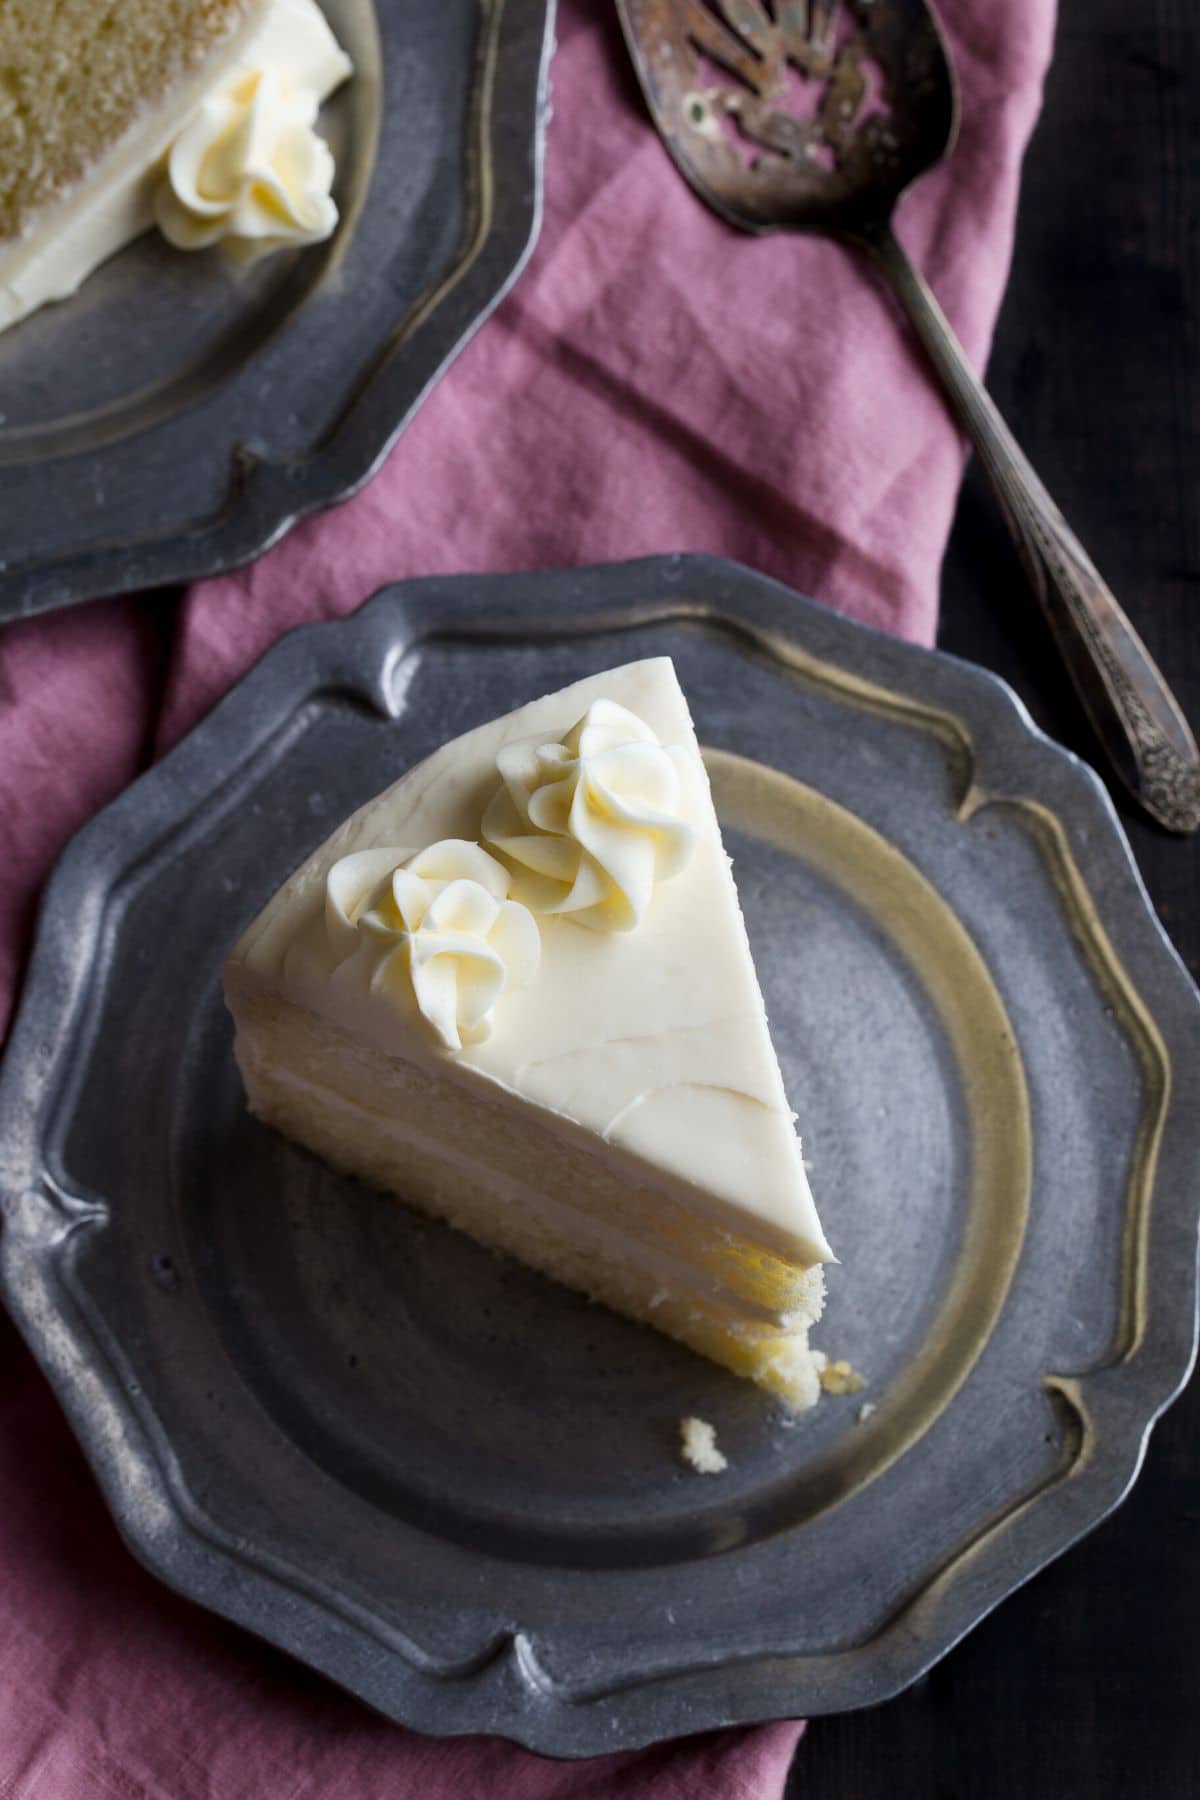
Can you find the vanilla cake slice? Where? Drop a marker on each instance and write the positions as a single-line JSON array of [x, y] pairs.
[[516, 991], [197, 114]]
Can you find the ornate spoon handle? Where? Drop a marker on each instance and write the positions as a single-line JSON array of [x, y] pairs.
[[1135, 714]]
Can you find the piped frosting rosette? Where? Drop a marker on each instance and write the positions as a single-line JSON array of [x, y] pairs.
[[249, 171], [590, 825], [432, 932]]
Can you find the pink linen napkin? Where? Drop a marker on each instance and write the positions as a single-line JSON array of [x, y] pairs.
[[654, 383]]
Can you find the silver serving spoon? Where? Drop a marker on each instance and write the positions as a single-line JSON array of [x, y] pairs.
[[716, 75]]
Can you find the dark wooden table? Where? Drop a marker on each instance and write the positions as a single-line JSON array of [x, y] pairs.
[[1087, 1683]]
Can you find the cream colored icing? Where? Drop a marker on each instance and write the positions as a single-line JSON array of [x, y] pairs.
[[263, 181], [249, 171], [432, 934], [653, 1039], [679, 1280], [592, 824]]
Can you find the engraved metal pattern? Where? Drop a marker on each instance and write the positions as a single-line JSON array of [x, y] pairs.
[[1120, 686], [453, 1486], [718, 78]]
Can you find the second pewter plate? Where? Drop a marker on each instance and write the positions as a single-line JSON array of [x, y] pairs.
[[454, 1486], [177, 414]]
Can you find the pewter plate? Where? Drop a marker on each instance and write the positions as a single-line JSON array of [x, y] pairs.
[[178, 414], [453, 1486]]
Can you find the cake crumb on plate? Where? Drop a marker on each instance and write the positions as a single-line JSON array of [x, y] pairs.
[[840, 1378], [698, 1445]]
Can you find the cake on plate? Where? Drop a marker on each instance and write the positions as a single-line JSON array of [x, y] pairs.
[[516, 990], [199, 114]]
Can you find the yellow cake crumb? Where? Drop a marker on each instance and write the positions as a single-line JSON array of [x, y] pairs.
[[840, 1378], [698, 1446]]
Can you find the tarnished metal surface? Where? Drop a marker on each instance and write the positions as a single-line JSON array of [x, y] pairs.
[[815, 116], [178, 413], [454, 1486], [812, 116]]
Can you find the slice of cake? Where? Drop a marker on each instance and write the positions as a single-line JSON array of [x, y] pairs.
[[516, 990], [199, 113]]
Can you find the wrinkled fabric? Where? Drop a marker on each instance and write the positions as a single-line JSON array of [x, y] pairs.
[[654, 383]]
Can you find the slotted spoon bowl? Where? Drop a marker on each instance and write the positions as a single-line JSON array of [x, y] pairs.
[[717, 76]]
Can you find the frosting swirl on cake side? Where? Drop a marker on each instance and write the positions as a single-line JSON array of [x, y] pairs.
[[590, 825], [249, 169], [432, 932]]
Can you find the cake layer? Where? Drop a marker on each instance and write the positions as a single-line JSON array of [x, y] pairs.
[[457, 1169], [75, 75], [523, 1149]]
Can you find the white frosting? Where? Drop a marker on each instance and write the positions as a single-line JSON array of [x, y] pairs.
[[249, 170], [592, 823], [678, 1280], [653, 1040], [431, 933], [283, 62]]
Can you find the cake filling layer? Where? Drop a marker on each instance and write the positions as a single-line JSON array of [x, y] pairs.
[[468, 1195], [601, 1180], [664, 1277]]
